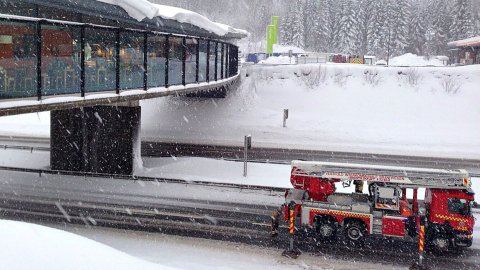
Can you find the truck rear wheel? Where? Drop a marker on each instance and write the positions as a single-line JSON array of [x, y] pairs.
[[355, 232]]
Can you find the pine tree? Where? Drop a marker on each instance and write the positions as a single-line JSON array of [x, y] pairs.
[[298, 27], [286, 29], [320, 31], [347, 33], [401, 19], [377, 36], [417, 30], [310, 12], [462, 26], [439, 27], [364, 26]]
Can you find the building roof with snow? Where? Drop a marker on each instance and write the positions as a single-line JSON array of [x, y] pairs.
[[469, 42], [142, 14]]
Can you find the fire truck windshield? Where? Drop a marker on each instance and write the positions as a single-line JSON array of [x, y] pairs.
[[459, 206]]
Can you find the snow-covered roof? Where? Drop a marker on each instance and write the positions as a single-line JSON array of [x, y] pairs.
[[474, 41], [142, 9]]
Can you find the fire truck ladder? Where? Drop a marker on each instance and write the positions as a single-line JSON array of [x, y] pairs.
[[405, 177]]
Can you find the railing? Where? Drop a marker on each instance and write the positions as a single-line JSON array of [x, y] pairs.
[[40, 57]]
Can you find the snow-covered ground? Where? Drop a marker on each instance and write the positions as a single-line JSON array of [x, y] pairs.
[[413, 60], [29, 247], [278, 60], [350, 108], [79, 247]]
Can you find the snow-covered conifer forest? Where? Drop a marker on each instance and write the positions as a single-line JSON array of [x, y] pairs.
[[363, 27]]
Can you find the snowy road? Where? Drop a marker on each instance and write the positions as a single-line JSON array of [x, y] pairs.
[[166, 203], [194, 209]]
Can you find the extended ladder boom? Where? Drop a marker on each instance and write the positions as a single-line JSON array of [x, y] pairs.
[[402, 176]]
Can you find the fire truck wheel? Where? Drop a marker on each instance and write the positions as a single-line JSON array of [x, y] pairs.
[[326, 228], [355, 231], [440, 244]]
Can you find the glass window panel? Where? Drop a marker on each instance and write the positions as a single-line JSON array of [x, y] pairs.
[[100, 60], [61, 56], [191, 61], [212, 61], [202, 72], [225, 54], [219, 59], [233, 59], [225, 61], [18, 60], [156, 60], [131, 60], [459, 206], [175, 56], [17, 8]]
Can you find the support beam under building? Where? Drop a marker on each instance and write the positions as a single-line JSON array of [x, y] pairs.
[[100, 139]]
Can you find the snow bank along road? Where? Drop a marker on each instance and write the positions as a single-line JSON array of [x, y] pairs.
[[212, 211]]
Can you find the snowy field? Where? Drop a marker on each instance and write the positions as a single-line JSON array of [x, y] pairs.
[[335, 107]]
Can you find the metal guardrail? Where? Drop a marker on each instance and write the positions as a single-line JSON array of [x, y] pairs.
[[28, 148], [40, 172]]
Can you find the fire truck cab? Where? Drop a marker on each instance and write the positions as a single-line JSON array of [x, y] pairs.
[[384, 210]]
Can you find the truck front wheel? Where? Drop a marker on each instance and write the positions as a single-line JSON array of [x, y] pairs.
[[440, 244]]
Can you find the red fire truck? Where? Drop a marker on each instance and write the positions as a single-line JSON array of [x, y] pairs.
[[385, 211]]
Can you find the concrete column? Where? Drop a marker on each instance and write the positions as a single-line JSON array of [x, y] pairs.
[[100, 139]]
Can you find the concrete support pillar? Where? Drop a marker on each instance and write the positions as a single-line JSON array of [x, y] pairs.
[[100, 139]]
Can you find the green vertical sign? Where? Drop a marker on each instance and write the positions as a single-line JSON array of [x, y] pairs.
[[270, 38], [275, 24]]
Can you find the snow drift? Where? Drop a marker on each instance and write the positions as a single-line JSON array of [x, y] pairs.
[[405, 111], [413, 60], [30, 247]]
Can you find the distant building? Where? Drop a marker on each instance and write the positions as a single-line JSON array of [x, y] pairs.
[[465, 52]]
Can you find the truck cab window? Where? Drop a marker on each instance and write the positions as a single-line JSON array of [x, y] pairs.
[[459, 206]]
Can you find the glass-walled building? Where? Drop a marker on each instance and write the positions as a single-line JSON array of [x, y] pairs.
[[18, 59], [78, 51]]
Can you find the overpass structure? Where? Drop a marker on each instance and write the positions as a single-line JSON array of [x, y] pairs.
[[90, 62]]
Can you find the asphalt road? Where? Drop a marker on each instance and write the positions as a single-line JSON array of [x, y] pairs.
[[188, 209]]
